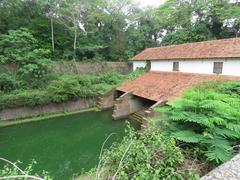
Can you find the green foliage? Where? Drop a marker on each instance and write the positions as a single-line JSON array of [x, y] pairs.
[[199, 32], [20, 47], [112, 78], [111, 30], [138, 72], [7, 82], [16, 44], [146, 155], [22, 98], [10, 170], [57, 88], [35, 64], [64, 88], [207, 116]]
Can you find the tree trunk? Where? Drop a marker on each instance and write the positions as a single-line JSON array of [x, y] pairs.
[[74, 46], [75, 42], [52, 30]]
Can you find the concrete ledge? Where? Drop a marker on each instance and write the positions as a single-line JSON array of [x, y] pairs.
[[106, 101], [227, 171], [24, 112]]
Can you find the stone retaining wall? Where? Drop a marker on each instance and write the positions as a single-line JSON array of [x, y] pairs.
[[24, 112], [84, 67], [106, 101], [227, 171], [93, 67]]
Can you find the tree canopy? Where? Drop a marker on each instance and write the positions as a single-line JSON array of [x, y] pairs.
[[117, 29]]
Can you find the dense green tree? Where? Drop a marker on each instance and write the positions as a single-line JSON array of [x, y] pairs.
[[21, 48], [118, 29], [200, 20]]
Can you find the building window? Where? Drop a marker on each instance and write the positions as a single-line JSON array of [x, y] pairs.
[[148, 65], [175, 66], [217, 67]]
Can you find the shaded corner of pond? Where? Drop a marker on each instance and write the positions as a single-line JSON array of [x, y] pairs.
[[63, 146]]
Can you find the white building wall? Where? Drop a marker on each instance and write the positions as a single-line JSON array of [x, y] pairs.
[[139, 64], [230, 66]]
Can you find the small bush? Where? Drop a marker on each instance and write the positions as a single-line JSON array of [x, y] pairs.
[[35, 64], [28, 98], [138, 72], [111, 78], [7, 82], [65, 88], [146, 155]]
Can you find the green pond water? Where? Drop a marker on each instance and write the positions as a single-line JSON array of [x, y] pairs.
[[62, 146]]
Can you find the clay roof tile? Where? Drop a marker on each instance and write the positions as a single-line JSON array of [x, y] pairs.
[[161, 86], [224, 48]]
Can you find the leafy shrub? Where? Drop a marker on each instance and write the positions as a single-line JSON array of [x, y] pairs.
[[138, 72], [7, 82], [65, 88], [206, 118], [15, 44], [58, 88], [145, 155], [28, 98], [102, 88], [35, 64], [85, 80], [20, 47], [111, 78], [232, 88]]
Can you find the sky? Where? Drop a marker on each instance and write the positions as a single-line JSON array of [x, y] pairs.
[[150, 2]]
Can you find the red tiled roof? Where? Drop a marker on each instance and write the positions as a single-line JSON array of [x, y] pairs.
[[225, 48], [158, 86]]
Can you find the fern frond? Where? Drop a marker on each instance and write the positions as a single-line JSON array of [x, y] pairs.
[[165, 109], [198, 118], [218, 154], [226, 133], [178, 116], [213, 104], [217, 141], [188, 136], [218, 121], [183, 104], [233, 127]]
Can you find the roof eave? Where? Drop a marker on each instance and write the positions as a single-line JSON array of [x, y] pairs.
[[200, 58]]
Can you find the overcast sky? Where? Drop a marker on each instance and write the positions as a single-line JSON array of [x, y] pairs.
[[150, 2]]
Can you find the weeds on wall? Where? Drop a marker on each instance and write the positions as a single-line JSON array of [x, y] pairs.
[[57, 88]]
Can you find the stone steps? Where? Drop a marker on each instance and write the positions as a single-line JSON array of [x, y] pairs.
[[105, 101], [139, 116], [99, 102]]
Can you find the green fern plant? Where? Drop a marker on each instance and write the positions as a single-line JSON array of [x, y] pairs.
[[208, 118]]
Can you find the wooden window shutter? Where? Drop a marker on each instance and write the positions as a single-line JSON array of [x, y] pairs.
[[175, 66], [217, 67]]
